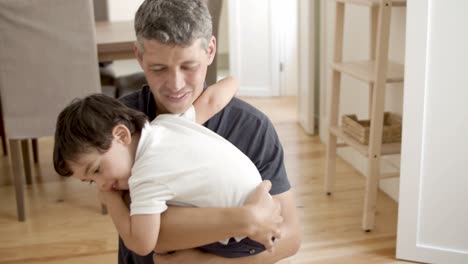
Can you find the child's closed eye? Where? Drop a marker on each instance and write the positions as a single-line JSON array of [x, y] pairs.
[[89, 181]]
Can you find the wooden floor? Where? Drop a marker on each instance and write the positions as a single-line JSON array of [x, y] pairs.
[[64, 224]]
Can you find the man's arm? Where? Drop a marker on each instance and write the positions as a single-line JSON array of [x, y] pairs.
[[259, 217], [287, 246], [139, 232], [214, 98]]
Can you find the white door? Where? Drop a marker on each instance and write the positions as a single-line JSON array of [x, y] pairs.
[[258, 48], [433, 208]]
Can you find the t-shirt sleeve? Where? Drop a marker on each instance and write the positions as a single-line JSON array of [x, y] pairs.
[[267, 154], [148, 196]]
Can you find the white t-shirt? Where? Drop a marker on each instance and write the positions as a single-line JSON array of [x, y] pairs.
[[179, 162]]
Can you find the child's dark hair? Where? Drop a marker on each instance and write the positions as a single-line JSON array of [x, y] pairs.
[[86, 125]]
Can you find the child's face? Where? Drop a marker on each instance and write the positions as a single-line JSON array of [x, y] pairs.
[[110, 170]]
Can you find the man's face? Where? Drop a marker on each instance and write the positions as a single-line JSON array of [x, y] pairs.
[[175, 74]]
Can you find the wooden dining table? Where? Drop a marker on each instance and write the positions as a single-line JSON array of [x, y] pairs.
[[115, 40]]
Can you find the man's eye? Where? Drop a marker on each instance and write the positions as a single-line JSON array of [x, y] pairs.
[[97, 170], [191, 67]]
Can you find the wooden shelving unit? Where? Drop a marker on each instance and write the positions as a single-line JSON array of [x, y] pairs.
[[377, 71]]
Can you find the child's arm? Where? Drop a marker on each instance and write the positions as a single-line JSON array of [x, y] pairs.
[[139, 232], [214, 98]]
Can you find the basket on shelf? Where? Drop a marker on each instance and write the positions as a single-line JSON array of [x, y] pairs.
[[360, 129]]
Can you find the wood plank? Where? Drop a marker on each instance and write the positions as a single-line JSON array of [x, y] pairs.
[[364, 70], [390, 175]]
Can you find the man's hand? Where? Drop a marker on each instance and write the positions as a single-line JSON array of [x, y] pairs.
[[266, 216]]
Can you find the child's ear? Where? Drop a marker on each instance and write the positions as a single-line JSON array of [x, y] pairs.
[[122, 134]]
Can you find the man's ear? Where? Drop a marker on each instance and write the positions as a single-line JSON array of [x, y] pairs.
[[211, 50], [138, 53], [122, 134]]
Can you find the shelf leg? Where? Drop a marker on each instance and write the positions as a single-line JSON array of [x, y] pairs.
[[334, 103], [377, 113], [374, 20]]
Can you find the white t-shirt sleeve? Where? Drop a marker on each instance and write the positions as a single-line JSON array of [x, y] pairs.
[[148, 197]]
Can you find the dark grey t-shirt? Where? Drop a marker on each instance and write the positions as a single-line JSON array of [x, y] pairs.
[[249, 130]]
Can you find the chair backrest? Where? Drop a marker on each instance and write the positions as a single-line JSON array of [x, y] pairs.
[[48, 57]]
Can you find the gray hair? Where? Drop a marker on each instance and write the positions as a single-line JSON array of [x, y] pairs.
[[173, 22]]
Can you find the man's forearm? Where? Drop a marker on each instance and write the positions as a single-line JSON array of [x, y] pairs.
[[285, 247], [183, 228]]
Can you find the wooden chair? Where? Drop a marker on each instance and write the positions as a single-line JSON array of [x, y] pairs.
[[48, 57]]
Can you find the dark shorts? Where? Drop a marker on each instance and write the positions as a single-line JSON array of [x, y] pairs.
[[234, 249]]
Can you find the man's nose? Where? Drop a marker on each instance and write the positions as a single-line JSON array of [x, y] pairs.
[[176, 80]]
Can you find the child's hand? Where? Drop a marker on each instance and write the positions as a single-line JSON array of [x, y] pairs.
[[266, 216]]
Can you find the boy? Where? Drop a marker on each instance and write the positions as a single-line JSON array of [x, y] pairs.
[[172, 160]]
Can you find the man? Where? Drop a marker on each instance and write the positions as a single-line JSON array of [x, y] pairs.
[[174, 48]]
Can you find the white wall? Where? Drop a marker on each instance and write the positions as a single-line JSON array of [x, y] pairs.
[[122, 10], [354, 93]]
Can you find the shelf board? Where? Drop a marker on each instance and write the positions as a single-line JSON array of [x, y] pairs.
[[364, 70], [387, 149], [372, 2]]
